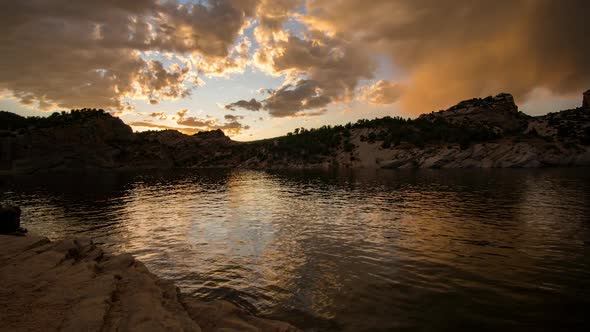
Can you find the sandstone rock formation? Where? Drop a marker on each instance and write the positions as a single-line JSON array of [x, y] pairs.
[[72, 285], [499, 113]]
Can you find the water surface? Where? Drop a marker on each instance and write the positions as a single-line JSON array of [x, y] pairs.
[[344, 251]]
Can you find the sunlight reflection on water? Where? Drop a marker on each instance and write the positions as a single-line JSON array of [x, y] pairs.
[[353, 251]]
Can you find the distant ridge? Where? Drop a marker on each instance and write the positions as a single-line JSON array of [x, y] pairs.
[[476, 133]]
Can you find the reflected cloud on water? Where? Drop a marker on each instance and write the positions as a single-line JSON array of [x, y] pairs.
[[354, 251]]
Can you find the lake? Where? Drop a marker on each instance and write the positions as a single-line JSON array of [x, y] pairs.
[[427, 250]]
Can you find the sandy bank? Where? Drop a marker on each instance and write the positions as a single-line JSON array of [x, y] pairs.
[[72, 285]]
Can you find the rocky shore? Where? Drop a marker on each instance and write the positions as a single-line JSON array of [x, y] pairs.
[[73, 285]]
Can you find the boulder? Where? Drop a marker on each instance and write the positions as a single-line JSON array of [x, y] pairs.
[[10, 220]]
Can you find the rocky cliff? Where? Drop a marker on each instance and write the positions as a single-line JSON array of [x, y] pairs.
[[72, 285], [488, 132], [498, 113]]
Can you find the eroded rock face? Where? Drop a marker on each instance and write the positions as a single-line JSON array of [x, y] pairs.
[[499, 113], [586, 101], [72, 285]]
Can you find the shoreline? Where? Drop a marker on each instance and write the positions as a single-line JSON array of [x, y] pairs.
[[73, 285], [20, 172]]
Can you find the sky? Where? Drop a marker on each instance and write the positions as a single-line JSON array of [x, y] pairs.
[[261, 68]]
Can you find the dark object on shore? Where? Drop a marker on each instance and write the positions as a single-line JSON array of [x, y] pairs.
[[10, 220]]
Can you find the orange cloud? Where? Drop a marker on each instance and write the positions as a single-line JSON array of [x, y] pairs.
[[458, 49], [191, 125], [382, 92]]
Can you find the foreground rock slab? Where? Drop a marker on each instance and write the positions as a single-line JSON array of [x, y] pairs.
[[72, 285]]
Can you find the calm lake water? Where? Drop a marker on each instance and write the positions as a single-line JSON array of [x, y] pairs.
[[488, 250]]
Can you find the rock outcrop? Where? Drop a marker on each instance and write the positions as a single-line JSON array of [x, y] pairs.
[[499, 113], [72, 285], [218, 133]]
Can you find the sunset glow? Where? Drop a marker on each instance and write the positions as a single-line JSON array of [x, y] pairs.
[[260, 68]]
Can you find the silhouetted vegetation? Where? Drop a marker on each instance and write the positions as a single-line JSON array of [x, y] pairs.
[[388, 131], [11, 121], [311, 143], [392, 131]]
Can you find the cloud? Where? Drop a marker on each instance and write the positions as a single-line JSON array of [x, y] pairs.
[[160, 116], [192, 125], [457, 49], [187, 131], [272, 14], [235, 62], [195, 122], [74, 54], [250, 105], [320, 69], [89, 53], [159, 83], [231, 126], [293, 99], [381, 93], [231, 117], [182, 113]]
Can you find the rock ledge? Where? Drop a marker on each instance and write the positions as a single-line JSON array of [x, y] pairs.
[[72, 285]]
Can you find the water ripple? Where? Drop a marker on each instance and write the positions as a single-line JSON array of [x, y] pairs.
[[357, 251]]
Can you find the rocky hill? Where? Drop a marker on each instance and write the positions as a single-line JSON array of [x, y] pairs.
[[488, 132], [93, 139], [79, 139], [477, 133]]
